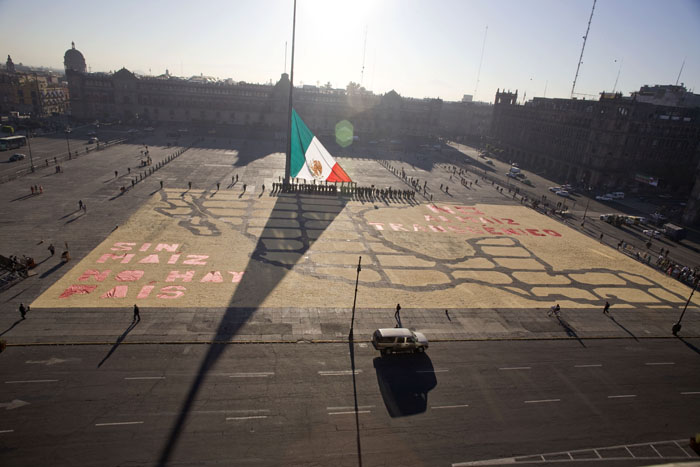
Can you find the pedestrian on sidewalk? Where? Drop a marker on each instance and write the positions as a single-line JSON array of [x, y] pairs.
[[80, 205], [554, 310], [606, 308], [52, 249], [189, 185], [116, 173], [137, 316], [161, 184], [217, 186], [397, 315], [23, 310], [84, 207], [601, 237]]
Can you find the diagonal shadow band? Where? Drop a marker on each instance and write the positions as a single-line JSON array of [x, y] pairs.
[[119, 340], [261, 276]]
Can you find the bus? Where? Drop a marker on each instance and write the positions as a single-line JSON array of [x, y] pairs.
[[12, 142]]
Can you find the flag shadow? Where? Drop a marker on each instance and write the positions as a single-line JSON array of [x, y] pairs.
[[275, 254]]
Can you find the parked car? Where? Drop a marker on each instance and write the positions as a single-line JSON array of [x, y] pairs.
[[92, 140], [563, 193], [554, 189], [652, 233], [528, 182], [489, 162], [17, 157], [604, 198], [390, 340], [617, 195]]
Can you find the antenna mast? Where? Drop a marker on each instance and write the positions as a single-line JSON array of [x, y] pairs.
[[478, 73], [364, 53], [679, 73], [580, 59], [618, 74]]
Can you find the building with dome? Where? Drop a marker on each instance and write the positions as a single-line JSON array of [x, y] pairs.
[[73, 60]]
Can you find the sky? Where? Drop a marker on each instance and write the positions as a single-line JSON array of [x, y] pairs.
[[419, 48]]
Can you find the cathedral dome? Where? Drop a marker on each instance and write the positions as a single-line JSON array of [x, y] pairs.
[[74, 60]]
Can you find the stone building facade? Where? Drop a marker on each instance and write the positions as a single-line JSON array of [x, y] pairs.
[[241, 107], [35, 93], [614, 144]]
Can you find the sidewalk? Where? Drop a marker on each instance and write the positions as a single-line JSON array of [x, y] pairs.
[[333, 325]]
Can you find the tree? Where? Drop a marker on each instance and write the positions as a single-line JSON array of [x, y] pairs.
[[354, 88]]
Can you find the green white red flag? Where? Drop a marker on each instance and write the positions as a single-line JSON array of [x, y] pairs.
[[309, 159]]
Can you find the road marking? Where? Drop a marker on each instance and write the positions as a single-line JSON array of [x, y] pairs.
[[145, 377], [7, 431], [52, 361], [260, 374], [246, 418], [350, 407], [449, 406], [16, 403], [339, 372], [118, 423], [349, 412], [688, 393], [588, 366], [660, 363], [218, 165], [432, 371], [542, 400], [33, 381], [622, 396], [515, 368]]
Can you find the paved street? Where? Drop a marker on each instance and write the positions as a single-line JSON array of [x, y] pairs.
[[300, 404]]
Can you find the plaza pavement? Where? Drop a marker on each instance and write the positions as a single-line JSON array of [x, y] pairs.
[[207, 264]]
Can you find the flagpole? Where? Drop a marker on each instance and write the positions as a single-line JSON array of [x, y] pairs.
[[288, 159]]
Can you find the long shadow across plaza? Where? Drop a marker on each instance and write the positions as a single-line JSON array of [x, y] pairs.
[[266, 268]]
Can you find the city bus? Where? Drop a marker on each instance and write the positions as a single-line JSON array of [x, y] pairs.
[[12, 142]]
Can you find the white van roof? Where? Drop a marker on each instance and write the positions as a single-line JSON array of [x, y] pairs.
[[395, 332]]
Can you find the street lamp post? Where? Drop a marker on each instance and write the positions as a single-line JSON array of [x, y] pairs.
[[583, 221], [354, 301], [677, 327], [68, 143], [29, 145]]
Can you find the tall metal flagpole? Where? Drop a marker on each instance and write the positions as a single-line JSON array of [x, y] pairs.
[[288, 161]]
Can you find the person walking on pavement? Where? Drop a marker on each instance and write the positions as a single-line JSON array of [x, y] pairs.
[[52, 249], [80, 205], [606, 308], [397, 315], [217, 186], [554, 310], [161, 184], [23, 310], [137, 316], [189, 185]]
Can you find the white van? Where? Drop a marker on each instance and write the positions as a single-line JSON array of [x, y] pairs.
[[617, 195], [390, 340]]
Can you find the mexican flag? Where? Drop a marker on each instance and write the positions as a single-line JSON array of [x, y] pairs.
[[309, 159]]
